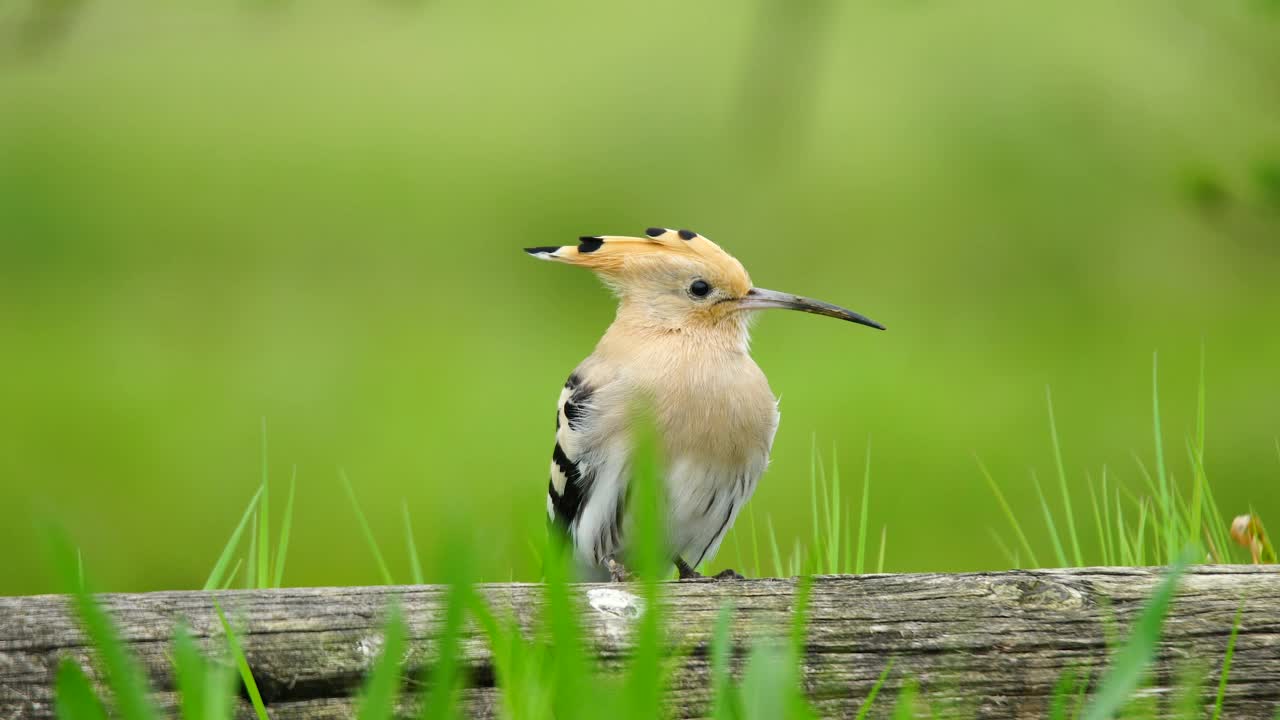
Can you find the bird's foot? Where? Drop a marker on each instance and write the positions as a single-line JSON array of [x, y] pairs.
[[688, 573], [617, 571]]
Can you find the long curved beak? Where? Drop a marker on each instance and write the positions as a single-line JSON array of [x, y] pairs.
[[761, 299]]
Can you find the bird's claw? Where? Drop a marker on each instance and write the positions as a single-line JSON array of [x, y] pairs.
[[688, 573], [617, 571]]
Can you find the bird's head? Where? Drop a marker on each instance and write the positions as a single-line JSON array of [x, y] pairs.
[[680, 279]]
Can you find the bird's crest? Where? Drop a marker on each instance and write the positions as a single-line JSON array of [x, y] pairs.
[[618, 256]]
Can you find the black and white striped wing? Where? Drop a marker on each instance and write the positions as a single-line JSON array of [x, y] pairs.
[[569, 487]]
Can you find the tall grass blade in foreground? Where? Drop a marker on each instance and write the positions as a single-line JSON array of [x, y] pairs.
[[643, 684], [122, 675], [906, 707], [1062, 692], [1226, 664], [724, 704], [1134, 658], [377, 699], [444, 682], [74, 698], [205, 687], [875, 690], [242, 664]]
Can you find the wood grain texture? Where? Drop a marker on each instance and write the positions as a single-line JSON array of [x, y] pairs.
[[989, 644]]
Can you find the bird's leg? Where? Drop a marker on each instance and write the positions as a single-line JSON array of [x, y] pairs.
[[617, 571], [686, 572], [729, 575]]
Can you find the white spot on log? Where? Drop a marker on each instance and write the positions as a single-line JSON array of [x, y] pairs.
[[616, 603], [619, 608], [369, 647]]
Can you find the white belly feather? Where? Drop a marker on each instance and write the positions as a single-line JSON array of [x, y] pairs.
[[716, 441]]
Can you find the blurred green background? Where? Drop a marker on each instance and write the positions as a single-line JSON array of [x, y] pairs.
[[215, 213]]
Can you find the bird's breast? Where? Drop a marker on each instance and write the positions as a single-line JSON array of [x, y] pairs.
[[720, 413]]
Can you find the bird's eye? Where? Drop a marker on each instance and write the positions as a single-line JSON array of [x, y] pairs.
[[700, 288]]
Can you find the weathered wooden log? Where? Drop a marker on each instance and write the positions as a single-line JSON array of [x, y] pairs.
[[992, 644]]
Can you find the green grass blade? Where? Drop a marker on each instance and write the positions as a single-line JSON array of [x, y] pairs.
[[1063, 691], [800, 615], [1009, 555], [263, 578], [377, 699], [1082, 692], [1111, 556], [1062, 482], [286, 525], [1008, 513], [231, 577], [755, 543], [1097, 519], [884, 540], [191, 675], [813, 493], [1049, 524], [735, 533], [1166, 506], [214, 580], [818, 546], [905, 709], [73, 695], [763, 694], [440, 700], [251, 567], [644, 676], [1216, 527], [778, 568], [1127, 557], [1226, 664], [722, 695], [1140, 543], [1198, 475], [414, 563], [875, 690], [859, 567], [846, 566], [833, 518], [242, 664], [1132, 661], [205, 688], [365, 530], [120, 671]]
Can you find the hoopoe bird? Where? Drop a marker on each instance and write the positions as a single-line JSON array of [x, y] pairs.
[[679, 344]]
